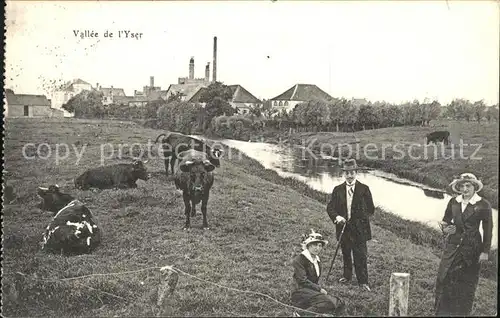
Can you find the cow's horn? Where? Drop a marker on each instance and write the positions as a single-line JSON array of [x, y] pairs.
[[145, 161], [206, 161], [188, 163], [44, 189], [57, 186]]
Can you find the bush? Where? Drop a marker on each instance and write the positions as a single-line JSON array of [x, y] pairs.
[[238, 127]]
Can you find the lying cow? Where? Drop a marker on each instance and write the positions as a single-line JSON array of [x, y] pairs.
[[175, 143], [194, 177], [438, 136], [73, 230], [52, 198], [121, 176]]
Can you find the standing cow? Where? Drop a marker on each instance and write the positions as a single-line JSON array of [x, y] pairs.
[[195, 178], [175, 143], [52, 198], [435, 136], [73, 230], [121, 176]]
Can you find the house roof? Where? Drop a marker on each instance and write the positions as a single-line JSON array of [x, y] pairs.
[[79, 81], [116, 91], [68, 86], [303, 92], [26, 99], [188, 90], [123, 98], [241, 95]]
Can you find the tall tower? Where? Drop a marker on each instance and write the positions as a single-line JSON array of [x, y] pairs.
[[191, 68], [207, 72], [215, 60]]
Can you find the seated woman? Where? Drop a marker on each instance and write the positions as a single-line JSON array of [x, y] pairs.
[[458, 271], [307, 294]]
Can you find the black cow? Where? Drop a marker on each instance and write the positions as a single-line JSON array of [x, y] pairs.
[[72, 231], [121, 176], [443, 136], [195, 178], [434, 194], [52, 198], [175, 143]]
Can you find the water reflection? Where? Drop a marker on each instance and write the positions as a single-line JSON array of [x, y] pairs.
[[408, 199]]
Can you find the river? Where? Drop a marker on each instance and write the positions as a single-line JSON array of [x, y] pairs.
[[407, 199]]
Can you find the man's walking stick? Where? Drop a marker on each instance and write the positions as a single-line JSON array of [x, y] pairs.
[[336, 251]]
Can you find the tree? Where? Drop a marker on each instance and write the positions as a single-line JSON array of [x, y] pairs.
[[87, 104], [492, 113], [216, 96], [151, 109], [478, 108]]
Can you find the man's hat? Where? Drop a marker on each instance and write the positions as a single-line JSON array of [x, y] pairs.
[[466, 177], [312, 237], [349, 164]]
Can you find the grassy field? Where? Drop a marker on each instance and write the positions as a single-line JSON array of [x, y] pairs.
[[400, 150], [255, 218]]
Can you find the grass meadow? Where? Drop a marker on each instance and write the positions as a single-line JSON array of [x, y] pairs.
[[400, 150], [255, 220]]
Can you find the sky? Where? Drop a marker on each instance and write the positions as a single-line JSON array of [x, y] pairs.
[[378, 50]]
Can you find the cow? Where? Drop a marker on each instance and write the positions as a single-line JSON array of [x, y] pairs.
[[121, 176], [72, 231], [195, 178], [175, 143], [434, 194], [443, 136], [53, 199]]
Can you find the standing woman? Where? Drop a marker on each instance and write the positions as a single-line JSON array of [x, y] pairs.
[[307, 293], [458, 272]]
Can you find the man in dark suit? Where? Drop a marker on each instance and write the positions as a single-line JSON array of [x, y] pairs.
[[352, 204]]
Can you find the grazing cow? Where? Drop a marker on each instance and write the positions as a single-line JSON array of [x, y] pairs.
[[52, 198], [121, 176], [434, 194], [195, 178], [72, 231], [175, 143], [443, 136]]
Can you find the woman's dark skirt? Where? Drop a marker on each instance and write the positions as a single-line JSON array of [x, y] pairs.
[[315, 301], [455, 293]]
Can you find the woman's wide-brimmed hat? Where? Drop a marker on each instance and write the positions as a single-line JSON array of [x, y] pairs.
[[466, 177], [312, 237], [349, 164]]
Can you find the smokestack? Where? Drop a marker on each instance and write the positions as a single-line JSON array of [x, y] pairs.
[[151, 81], [215, 60], [207, 72], [191, 68]]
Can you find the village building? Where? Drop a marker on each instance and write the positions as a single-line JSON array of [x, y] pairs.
[[299, 93], [189, 87], [27, 105], [243, 100], [110, 94], [62, 95]]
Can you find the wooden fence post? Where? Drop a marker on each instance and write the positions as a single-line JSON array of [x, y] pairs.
[[168, 281], [399, 291]]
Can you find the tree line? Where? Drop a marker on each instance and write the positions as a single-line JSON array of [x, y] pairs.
[[213, 114]]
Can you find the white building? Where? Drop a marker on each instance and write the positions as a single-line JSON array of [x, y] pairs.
[[299, 93], [67, 91]]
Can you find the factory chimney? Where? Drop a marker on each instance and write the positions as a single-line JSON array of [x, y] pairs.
[[151, 81], [207, 72], [215, 60], [191, 68]]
